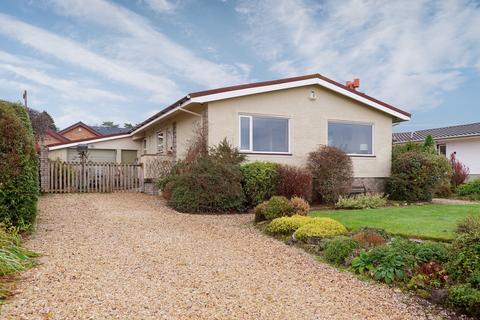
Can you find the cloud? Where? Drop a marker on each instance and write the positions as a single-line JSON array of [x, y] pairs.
[[139, 38], [408, 54], [71, 89], [72, 52], [162, 6]]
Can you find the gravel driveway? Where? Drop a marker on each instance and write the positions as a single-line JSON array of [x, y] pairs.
[[127, 256]]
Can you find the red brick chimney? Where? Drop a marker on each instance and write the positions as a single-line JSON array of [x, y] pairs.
[[353, 84]]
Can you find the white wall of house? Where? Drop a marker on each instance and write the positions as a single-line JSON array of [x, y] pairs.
[[467, 151], [308, 121]]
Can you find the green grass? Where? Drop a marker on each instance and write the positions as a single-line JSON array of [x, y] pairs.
[[427, 221]]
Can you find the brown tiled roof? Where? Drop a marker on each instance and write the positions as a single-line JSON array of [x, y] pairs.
[[471, 129], [262, 84]]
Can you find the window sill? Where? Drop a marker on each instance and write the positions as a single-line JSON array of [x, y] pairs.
[[265, 153], [361, 156]]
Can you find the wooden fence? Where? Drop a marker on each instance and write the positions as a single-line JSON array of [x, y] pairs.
[[65, 177]]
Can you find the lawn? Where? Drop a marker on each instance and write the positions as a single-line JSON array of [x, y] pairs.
[[422, 221]]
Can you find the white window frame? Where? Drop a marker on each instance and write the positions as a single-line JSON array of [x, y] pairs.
[[250, 117], [145, 146], [164, 142], [371, 124]]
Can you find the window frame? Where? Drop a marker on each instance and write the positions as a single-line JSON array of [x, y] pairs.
[[250, 117], [164, 142], [371, 124]]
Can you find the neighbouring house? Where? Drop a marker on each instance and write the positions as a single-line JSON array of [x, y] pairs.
[[105, 144], [280, 120], [463, 140]]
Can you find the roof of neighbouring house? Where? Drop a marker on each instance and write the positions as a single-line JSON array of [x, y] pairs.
[[79, 124], [57, 136], [105, 131], [245, 89], [458, 131]]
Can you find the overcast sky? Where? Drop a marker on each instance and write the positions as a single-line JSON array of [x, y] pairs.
[[98, 60]]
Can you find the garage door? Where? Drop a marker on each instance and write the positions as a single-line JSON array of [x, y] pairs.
[[94, 155]]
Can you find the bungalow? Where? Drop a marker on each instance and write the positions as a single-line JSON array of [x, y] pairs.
[[280, 120], [463, 140]]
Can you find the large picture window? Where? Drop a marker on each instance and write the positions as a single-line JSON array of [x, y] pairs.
[[350, 137], [264, 134]]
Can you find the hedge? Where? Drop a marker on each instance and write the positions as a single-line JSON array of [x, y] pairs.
[[18, 167]]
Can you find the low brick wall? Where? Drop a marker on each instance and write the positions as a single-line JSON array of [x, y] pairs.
[[371, 184]]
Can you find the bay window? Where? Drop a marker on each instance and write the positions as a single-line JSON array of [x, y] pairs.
[[353, 138], [264, 134]]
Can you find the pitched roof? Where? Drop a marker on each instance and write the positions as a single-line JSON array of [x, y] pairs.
[[104, 131], [219, 93], [79, 124], [464, 130], [57, 136]]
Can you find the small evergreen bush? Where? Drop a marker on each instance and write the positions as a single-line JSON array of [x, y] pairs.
[[463, 265], [416, 175], [470, 224], [319, 228], [363, 201], [259, 211], [299, 206], [276, 207], [470, 189], [465, 298], [369, 238], [18, 167], [294, 181], [259, 181], [287, 225], [338, 249], [332, 172]]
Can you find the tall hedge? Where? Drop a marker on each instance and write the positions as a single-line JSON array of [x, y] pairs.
[[18, 167]]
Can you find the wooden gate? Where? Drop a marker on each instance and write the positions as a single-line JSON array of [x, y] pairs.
[[65, 177]]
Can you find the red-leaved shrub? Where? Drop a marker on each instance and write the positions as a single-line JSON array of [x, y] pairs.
[[460, 171], [332, 173], [294, 181]]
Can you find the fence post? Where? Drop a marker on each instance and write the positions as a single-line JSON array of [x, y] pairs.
[[44, 172]]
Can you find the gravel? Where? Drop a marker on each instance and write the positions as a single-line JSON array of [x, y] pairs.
[[127, 256]]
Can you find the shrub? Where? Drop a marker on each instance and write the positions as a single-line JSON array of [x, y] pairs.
[[299, 206], [18, 167], [363, 201], [287, 225], [319, 228], [370, 238], [416, 175], [338, 249], [463, 264], [430, 251], [226, 153], [259, 181], [470, 189], [399, 149], [294, 181], [460, 171], [469, 225], [208, 186], [465, 298], [259, 211], [443, 189], [385, 263], [332, 173], [276, 207]]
